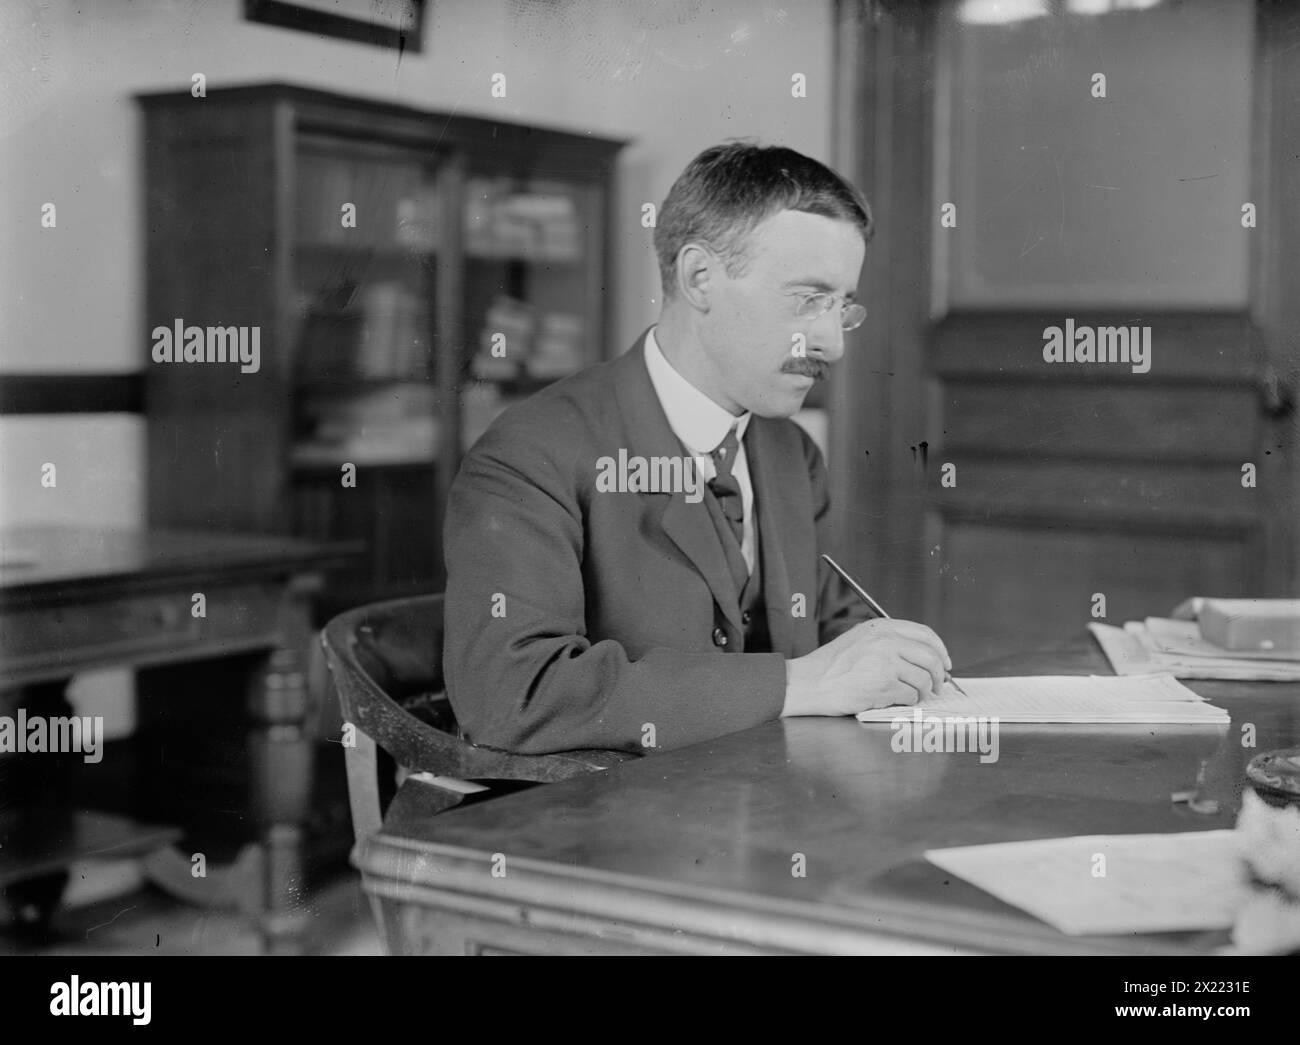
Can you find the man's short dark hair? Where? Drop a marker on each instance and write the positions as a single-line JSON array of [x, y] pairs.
[[730, 188]]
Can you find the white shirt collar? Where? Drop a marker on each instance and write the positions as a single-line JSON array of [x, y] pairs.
[[699, 422]]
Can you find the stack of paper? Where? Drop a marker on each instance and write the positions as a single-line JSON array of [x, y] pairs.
[[1176, 646], [1156, 698]]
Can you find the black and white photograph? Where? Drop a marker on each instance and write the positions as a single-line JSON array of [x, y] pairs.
[[651, 477]]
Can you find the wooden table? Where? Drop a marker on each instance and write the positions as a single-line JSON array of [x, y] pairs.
[[73, 599], [693, 851]]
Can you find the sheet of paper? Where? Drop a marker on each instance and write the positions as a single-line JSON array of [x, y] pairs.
[[1131, 653], [1066, 698], [1111, 884]]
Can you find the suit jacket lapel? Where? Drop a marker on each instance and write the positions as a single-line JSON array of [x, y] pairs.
[[687, 525]]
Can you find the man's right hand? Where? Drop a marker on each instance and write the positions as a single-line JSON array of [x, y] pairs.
[[875, 664]]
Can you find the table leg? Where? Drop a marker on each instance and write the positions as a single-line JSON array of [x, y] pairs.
[[281, 756], [201, 758]]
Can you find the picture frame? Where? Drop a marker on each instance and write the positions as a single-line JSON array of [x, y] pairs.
[[395, 24]]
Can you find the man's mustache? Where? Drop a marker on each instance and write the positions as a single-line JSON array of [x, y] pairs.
[[806, 366]]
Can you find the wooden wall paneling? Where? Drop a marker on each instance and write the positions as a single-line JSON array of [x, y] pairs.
[[1011, 587], [1276, 290], [1082, 478]]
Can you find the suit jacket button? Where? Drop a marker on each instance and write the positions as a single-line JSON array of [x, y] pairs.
[[745, 618], [719, 637]]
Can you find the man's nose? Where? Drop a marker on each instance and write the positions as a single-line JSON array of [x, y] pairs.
[[827, 341]]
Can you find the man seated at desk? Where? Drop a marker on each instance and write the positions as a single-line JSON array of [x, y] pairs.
[[633, 553]]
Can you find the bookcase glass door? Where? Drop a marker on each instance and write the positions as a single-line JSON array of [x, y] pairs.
[[366, 251], [532, 311]]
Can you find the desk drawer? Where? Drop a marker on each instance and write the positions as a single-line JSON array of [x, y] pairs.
[[59, 637]]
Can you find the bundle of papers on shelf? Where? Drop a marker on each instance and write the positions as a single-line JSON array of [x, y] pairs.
[[506, 338], [557, 352], [548, 345], [501, 221], [389, 425]]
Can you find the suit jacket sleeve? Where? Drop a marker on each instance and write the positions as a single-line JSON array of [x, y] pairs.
[[838, 606], [529, 679]]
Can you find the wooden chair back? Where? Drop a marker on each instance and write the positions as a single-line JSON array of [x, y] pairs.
[[385, 666]]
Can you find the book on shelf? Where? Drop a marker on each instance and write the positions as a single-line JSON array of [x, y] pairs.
[[384, 334], [378, 349], [395, 207]]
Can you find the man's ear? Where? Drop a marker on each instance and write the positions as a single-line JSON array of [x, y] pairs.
[[695, 269]]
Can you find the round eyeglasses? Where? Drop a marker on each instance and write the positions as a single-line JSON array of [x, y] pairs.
[[814, 306]]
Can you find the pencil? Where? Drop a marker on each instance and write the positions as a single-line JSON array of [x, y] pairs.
[[876, 608]]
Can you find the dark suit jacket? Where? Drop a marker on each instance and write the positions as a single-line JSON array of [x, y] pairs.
[[613, 601]]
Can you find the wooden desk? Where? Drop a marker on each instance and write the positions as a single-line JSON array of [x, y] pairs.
[[692, 851], [73, 599]]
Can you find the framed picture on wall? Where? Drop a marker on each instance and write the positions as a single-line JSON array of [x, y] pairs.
[[398, 24], [1091, 156]]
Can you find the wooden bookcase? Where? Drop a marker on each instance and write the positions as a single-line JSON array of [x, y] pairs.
[[376, 336]]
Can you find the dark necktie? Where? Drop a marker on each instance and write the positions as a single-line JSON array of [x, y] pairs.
[[725, 487]]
